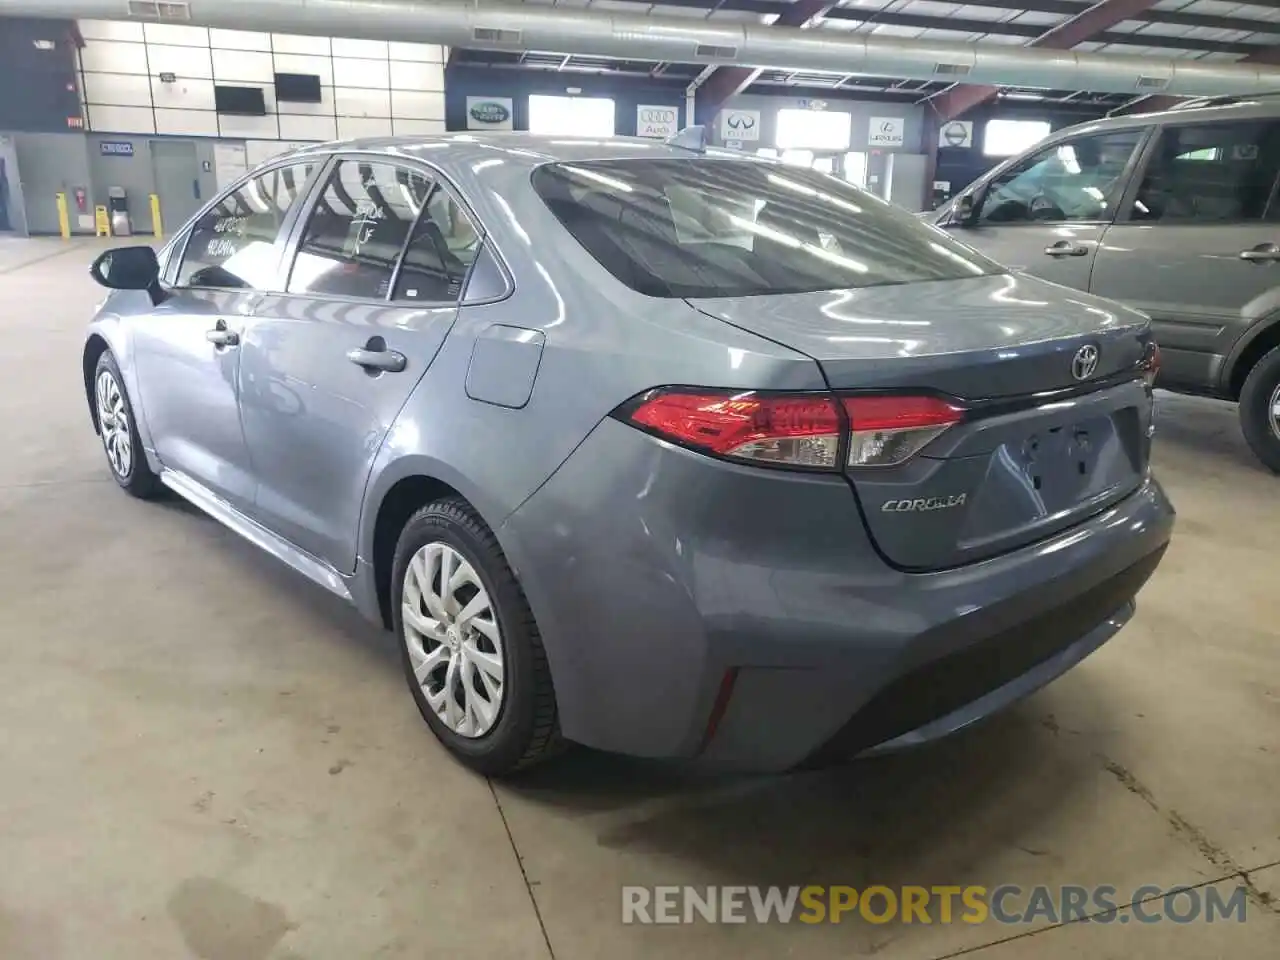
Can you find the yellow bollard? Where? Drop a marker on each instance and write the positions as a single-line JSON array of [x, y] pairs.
[[64, 221], [102, 221], [157, 225]]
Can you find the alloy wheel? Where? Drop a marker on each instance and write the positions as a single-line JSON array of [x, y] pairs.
[[113, 424], [453, 638], [1273, 411]]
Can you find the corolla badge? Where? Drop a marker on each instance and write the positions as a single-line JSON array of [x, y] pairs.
[[924, 504], [490, 112], [1085, 362]]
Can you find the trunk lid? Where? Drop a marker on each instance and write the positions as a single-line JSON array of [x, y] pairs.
[[1040, 448]]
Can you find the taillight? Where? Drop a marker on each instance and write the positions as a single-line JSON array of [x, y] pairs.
[[1150, 365], [799, 430], [887, 430], [795, 430]]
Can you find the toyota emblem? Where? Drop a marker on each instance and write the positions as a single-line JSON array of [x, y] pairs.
[[1085, 362]]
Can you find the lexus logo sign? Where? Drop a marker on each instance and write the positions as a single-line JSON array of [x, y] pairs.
[[886, 132], [656, 121]]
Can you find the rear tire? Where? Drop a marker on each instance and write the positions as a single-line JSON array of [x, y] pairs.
[[118, 428], [482, 685], [1260, 409]]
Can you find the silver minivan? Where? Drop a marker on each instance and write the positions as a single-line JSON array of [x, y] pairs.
[[1174, 213]]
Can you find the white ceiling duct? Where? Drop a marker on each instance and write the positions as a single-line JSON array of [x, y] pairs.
[[525, 27]]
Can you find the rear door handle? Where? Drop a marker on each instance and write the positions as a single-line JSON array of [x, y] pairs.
[[1262, 253], [389, 361], [220, 336], [1065, 248]]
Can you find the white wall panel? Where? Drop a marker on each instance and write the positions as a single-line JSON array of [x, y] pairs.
[[239, 40], [184, 61], [368, 49], [262, 128], [111, 56], [176, 34], [241, 66], [183, 94], [418, 106], [307, 128], [103, 119], [421, 52], [110, 30], [118, 89], [416, 76], [361, 103], [322, 109], [351, 127], [321, 67], [288, 43], [360, 73], [187, 123], [410, 128]]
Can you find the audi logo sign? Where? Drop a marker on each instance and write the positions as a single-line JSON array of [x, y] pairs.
[[656, 121]]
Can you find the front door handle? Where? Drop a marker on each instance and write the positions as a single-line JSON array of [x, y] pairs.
[[1065, 248], [220, 336], [1262, 253], [375, 357]]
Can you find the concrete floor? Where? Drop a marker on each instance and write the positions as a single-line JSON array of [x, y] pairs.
[[201, 755]]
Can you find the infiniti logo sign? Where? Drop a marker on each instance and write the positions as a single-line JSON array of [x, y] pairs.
[[1085, 362]]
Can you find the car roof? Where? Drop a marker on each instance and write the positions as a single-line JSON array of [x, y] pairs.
[[1262, 107], [517, 148]]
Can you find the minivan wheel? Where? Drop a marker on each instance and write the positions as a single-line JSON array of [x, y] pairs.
[[119, 431], [1260, 409], [469, 644]]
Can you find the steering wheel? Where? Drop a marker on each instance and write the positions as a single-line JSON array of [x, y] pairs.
[[1044, 207]]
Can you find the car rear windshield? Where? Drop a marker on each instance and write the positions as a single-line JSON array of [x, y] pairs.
[[736, 228]]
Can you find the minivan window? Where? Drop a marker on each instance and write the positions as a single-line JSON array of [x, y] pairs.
[[232, 244], [734, 228], [1211, 173], [358, 229], [1077, 179]]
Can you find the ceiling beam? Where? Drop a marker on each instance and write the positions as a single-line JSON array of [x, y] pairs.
[[726, 82], [1100, 17], [1154, 104]]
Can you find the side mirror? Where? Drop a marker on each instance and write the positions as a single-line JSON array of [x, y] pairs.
[[129, 268], [966, 209]]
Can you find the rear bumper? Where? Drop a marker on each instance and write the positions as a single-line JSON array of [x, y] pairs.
[[654, 572]]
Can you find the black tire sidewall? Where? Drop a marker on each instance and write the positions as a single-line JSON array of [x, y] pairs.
[[1255, 413], [501, 749], [140, 479]]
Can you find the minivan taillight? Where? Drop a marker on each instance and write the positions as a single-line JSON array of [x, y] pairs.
[[798, 430], [793, 430], [885, 431]]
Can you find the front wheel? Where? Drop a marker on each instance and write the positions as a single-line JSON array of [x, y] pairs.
[[119, 431], [1260, 410], [470, 647]]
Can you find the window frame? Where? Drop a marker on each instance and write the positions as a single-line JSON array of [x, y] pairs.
[[438, 181], [1150, 152], [1128, 175], [177, 255]]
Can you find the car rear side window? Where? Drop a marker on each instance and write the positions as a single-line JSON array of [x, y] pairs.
[[440, 253], [232, 244], [358, 229], [1210, 173], [724, 228]]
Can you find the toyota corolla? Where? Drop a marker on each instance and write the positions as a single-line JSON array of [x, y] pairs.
[[652, 447]]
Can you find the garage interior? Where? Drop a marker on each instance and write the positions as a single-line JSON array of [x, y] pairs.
[[204, 755]]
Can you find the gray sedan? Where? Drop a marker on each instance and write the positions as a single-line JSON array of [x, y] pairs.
[[651, 447]]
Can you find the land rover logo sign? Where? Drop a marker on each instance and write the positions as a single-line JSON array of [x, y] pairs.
[[957, 133], [886, 132], [740, 125], [489, 113]]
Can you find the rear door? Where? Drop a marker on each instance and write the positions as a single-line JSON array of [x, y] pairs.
[[1046, 213], [327, 365], [1198, 247]]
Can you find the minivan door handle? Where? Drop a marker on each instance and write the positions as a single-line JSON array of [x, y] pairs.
[[1262, 253], [1065, 248], [375, 357]]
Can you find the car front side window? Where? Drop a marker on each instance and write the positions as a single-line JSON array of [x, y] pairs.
[[232, 244], [1076, 180]]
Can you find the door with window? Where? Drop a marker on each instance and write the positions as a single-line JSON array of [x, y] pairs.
[[187, 351], [1199, 246], [1046, 213], [377, 271]]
